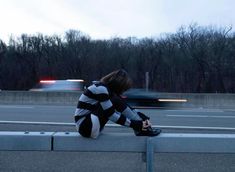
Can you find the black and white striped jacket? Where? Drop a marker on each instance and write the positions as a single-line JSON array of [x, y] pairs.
[[98, 94]]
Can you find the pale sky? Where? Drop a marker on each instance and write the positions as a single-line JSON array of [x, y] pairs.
[[104, 19]]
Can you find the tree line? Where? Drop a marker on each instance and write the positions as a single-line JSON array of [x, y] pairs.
[[194, 59]]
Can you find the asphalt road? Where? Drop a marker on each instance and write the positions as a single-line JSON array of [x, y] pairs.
[[185, 120]]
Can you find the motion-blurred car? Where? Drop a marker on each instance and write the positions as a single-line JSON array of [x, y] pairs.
[[143, 98], [59, 85]]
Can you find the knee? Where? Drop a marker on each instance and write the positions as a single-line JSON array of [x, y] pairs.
[[94, 135]]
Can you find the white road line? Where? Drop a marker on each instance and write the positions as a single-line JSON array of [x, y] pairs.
[[37, 123], [118, 126], [188, 116], [197, 110], [195, 127], [199, 116], [16, 107]]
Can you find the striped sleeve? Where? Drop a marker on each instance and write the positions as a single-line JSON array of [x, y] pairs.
[[101, 94]]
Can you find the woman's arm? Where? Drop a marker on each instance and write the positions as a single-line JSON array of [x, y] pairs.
[[101, 94]]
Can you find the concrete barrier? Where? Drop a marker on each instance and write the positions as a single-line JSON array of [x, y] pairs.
[[71, 98], [119, 142], [204, 100], [34, 97]]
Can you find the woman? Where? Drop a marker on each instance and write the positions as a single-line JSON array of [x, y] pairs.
[[101, 102]]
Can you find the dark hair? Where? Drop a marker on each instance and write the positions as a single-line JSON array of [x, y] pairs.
[[117, 81]]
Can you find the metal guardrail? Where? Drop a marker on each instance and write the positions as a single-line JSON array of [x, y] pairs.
[[119, 142], [37, 141]]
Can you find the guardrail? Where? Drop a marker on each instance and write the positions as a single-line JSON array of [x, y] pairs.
[[119, 142]]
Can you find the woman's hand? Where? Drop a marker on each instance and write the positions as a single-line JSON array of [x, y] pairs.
[[146, 124], [140, 125]]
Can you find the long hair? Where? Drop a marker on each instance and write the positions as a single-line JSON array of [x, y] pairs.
[[117, 81]]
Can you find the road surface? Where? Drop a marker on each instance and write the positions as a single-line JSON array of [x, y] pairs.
[[221, 120]]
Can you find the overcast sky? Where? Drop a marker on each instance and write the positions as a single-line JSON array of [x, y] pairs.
[[103, 19]]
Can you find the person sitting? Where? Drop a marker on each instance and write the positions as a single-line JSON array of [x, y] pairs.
[[102, 101]]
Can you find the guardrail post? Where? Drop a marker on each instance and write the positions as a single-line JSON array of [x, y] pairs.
[[149, 155]]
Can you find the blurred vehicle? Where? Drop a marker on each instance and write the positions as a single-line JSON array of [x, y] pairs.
[[143, 98], [59, 85]]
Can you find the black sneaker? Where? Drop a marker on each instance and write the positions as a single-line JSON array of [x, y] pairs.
[[149, 132]]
